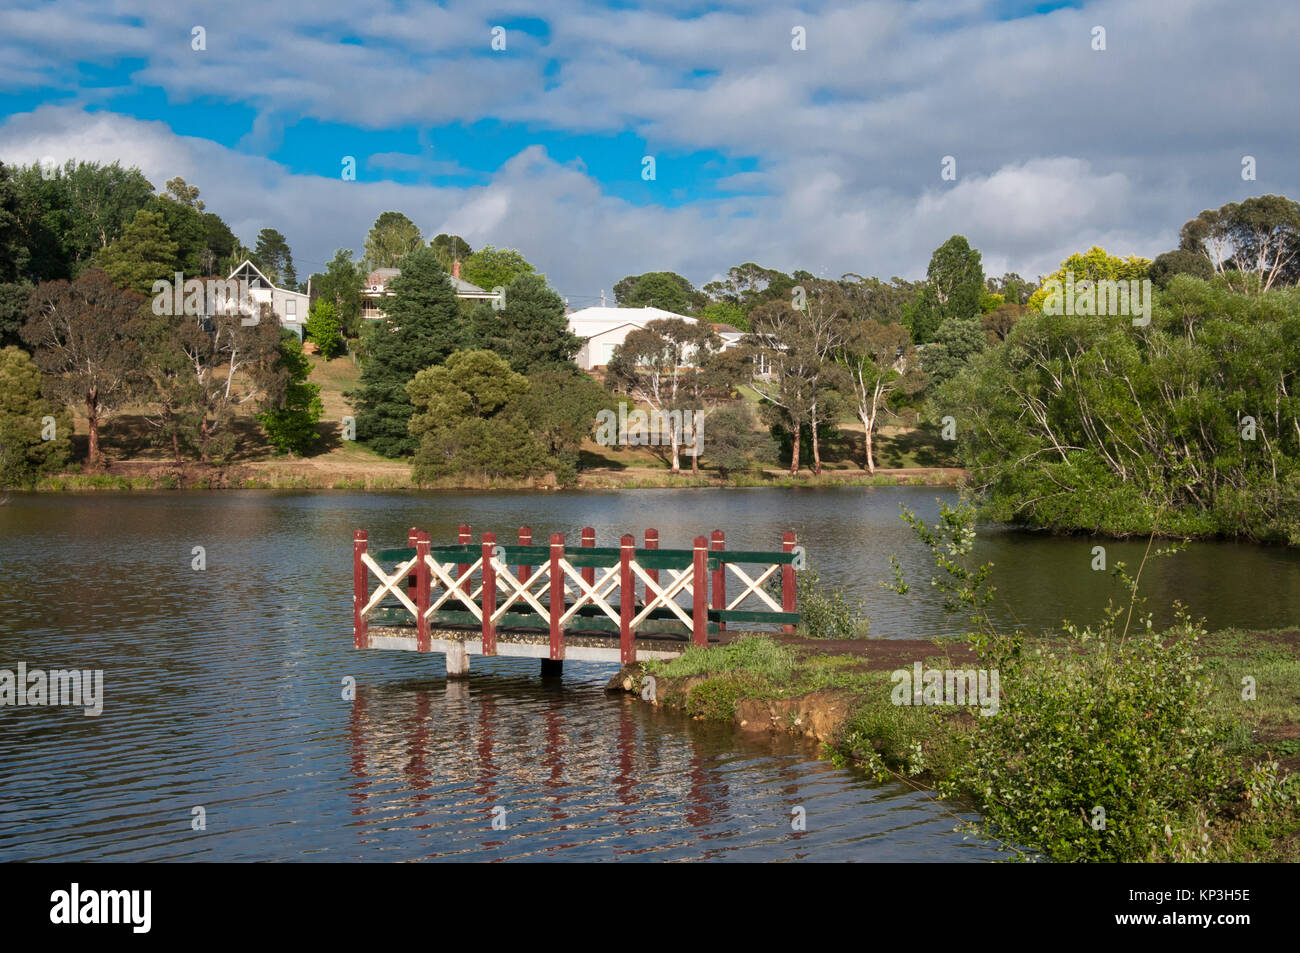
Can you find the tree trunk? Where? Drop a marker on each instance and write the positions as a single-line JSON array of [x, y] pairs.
[[204, 437], [794, 457], [92, 425], [677, 462], [816, 448], [871, 459]]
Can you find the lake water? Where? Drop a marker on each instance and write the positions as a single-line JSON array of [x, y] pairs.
[[223, 687]]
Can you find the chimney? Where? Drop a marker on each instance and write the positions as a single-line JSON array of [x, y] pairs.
[[455, 269]]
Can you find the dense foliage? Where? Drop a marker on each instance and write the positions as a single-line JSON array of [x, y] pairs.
[[291, 426], [1190, 424]]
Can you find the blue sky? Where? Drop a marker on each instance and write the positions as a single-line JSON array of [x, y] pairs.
[[826, 158]]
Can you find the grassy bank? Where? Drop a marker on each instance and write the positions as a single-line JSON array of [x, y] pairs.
[[1197, 776]]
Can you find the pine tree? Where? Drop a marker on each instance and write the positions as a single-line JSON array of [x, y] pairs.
[[144, 254], [531, 332], [421, 328]]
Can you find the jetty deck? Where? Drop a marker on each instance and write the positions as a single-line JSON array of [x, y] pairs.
[[614, 604]]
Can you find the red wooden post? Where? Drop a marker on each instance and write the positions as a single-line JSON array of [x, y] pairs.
[[464, 538], [422, 576], [412, 536], [525, 539], [718, 543], [651, 542], [589, 539], [360, 590], [787, 582], [489, 595], [626, 597], [557, 595], [700, 587]]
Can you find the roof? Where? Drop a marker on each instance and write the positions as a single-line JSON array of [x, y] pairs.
[[380, 277], [727, 329], [597, 320]]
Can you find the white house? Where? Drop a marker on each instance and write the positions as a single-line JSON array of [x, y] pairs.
[[289, 306], [376, 289], [603, 329]]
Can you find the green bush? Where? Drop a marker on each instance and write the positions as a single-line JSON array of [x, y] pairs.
[[1119, 724], [322, 328], [826, 613]]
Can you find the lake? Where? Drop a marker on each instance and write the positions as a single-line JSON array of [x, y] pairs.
[[223, 687]]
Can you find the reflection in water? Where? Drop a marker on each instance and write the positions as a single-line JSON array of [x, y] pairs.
[[578, 774], [223, 688]]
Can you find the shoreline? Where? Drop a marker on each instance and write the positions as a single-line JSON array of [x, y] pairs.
[[127, 476], [837, 696]]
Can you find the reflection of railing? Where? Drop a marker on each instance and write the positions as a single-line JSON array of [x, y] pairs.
[[589, 590]]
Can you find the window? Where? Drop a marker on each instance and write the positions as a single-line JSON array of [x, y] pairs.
[[291, 308]]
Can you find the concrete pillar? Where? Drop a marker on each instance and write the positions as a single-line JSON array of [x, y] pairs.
[[552, 668], [457, 661]]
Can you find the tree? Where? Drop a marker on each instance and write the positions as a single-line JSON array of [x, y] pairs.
[[796, 343], [650, 366], [144, 254], [954, 286], [1188, 426], [35, 435], [1012, 288], [531, 332], [187, 195], [72, 213], [291, 427], [879, 362], [1259, 237], [712, 380], [450, 249], [561, 407], [322, 328], [873, 299], [82, 337], [391, 238], [422, 327], [186, 229], [13, 253], [725, 312], [1096, 264], [955, 343], [341, 286], [492, 267], [220, 246], [205, 370], [999, 322], [14, 259], [733, 442], [665, 290], [1180, 262], [274, 259], [465, 420]]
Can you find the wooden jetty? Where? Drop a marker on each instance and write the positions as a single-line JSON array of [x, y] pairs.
[[589, 603]]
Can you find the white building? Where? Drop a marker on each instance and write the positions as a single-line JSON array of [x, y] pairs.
[[289, 306], [603, 329]]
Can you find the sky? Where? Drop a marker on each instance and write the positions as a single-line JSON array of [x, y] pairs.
[[808, 136]]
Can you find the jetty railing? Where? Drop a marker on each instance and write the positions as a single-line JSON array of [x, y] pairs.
[[628, 590]]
